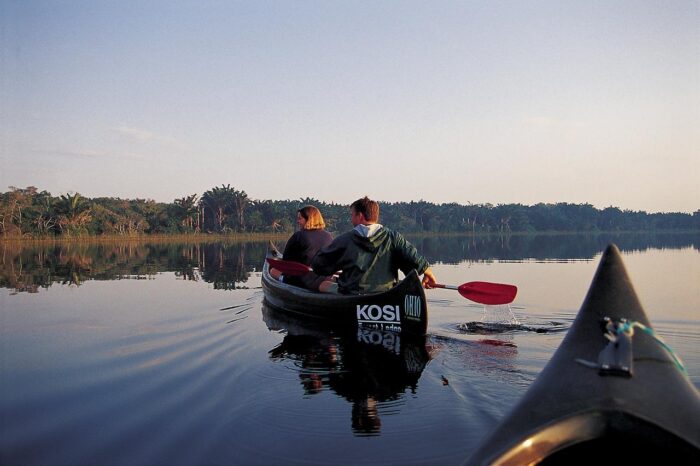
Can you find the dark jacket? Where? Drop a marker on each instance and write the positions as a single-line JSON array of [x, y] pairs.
[[368, 265], [302, 246]]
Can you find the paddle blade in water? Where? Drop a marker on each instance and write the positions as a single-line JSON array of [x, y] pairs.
[[291, 268], [488, 293]]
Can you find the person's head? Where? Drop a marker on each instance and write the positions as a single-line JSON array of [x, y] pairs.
[[310, 218], [365, 211], [365, 416]]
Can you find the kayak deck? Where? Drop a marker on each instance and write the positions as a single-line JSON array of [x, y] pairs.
[[599, 401]]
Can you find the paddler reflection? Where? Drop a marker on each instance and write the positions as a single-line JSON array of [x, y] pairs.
[[368, 367]]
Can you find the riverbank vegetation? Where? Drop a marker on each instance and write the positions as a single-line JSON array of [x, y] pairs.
[[29, 213]]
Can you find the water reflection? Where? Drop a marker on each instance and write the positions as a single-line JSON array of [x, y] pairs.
[[452, 250], [30, 267], [368, 367]]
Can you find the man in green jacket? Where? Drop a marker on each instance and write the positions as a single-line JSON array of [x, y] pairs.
[[369, 256]]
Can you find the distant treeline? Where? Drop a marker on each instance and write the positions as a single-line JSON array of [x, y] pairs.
[[28, 212]]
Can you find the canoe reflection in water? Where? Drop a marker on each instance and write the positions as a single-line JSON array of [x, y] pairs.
[[366, 367]]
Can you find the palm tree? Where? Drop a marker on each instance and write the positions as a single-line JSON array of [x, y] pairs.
[[45, 220], [74, 213], [224, 201], [216, 202], [187, 211], [240, 202]]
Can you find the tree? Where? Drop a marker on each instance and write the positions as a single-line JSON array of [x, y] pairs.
[[271, 216], [221, 202], [16, 205], [240, 202], [74, 214], [45, 220], [186, 212], [216, 202]]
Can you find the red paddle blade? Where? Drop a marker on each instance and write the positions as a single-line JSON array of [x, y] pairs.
[[293, 269], [488, 293]]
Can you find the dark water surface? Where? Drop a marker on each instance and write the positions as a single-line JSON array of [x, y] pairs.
[[165, 354]]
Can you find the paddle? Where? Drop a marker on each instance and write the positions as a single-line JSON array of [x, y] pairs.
[[484, 292], [291, 268], [479, 292]]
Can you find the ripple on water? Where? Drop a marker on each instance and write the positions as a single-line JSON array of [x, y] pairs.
[[157, 383]]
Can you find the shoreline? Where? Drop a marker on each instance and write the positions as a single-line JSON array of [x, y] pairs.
[[255, 237]]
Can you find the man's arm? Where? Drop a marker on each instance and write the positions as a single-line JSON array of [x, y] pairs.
[[410, 259], [407, 256], [327, 260]]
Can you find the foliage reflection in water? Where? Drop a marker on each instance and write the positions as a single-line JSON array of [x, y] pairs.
[[28, 267]]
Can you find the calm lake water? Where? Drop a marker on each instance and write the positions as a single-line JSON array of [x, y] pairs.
[[165, 354]]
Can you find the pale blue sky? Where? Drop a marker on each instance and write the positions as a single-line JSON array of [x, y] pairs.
[[473, 101]]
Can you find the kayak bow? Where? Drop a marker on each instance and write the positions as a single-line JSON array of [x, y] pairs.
[[618, 399]]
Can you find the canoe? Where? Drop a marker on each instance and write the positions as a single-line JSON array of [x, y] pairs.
[[402, 309], [600, 401]]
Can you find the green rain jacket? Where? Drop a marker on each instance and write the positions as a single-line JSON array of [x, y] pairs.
[[368, 264]]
